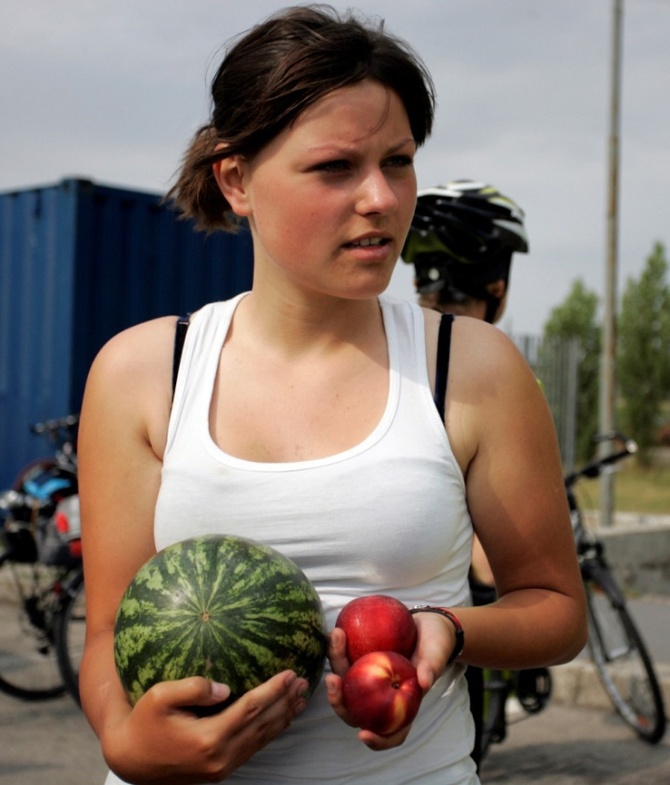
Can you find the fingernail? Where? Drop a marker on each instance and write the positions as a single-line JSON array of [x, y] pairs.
[[290, 678], [303, 688], [220, 691]]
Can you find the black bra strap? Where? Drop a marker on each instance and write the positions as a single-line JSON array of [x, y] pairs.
[[442, 362], [179, 338]]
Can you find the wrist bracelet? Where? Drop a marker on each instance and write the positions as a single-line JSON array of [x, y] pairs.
[[460, 634]]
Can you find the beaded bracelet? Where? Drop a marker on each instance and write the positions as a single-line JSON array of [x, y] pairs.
[[460, 634]]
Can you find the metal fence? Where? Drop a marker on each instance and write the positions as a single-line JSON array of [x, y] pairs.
[[555, 363]]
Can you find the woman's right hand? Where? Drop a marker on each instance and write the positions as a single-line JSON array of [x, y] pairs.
[[160, 741]]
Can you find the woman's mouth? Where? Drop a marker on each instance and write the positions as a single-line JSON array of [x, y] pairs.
[[366, 242]]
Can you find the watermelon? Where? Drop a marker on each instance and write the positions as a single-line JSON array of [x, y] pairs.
[[226, 608]]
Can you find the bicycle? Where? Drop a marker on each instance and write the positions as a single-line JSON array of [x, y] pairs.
[[40, 554], [617, 649], [615, 645]]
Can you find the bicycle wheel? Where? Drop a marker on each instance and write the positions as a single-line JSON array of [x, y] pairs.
[[28, 663], [70, 633], [622, 659]]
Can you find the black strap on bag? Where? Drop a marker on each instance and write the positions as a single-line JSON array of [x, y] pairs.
[[179, 338], [441, 366], [442, 361]]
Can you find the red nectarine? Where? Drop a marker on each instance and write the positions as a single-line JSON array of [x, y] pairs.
[[377, 623], [381, 692]]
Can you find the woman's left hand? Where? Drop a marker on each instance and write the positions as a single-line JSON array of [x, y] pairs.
[[434, 645]]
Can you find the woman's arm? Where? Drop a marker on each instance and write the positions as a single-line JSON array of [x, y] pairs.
[[121, 441], [503, 435], [119, 473]]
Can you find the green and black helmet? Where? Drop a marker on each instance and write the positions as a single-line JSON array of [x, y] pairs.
[[462, 238]]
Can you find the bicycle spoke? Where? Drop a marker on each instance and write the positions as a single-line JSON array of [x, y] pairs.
[[624, 665]]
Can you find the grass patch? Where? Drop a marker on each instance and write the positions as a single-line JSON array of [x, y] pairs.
[[636, 489]]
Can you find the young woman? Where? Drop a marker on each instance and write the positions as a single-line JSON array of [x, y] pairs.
[[304, 418]]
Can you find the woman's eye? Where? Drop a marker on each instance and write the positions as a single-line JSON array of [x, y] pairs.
[[400, 161], [333, 166]]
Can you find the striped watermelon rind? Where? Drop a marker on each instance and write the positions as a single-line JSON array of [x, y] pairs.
[[226, 608]]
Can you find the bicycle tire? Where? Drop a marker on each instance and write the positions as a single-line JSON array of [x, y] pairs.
[[622, 659], [28, 662], [40, 464], [70, 632], [496, 690]]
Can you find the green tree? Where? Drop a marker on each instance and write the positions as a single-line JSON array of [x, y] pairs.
[[575, 319], [643, 356]]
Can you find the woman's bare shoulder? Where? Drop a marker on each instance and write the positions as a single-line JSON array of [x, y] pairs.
[[483, 350], [492, 394], [130, 382], [480, 353], [131, 377], [140, 349]]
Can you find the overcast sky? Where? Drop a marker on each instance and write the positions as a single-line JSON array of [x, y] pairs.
[[113, 91]]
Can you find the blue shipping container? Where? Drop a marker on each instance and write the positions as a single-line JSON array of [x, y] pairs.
[[80, 262]]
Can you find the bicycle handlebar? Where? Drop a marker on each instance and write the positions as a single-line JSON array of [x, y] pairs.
[[62, 435], [53, 426], [595, 468]]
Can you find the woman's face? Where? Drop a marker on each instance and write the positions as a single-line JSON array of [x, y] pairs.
[[330, 199]]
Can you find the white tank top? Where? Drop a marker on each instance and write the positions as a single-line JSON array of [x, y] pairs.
[[387, 516]]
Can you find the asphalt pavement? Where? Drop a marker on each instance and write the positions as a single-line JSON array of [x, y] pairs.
[[47, 742], [576, 746], [52, 743], [568, 743]]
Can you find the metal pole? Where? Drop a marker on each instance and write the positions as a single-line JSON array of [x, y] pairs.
[[608, 357]]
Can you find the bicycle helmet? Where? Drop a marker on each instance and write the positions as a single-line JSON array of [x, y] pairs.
[[462, 238]]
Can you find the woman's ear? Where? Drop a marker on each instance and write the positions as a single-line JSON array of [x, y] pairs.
[[229, 175]]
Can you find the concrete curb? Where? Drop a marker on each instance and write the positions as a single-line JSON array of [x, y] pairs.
[[637, 548], [578, 684]]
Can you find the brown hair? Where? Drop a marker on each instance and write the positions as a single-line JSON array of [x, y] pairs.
[[272, 74]]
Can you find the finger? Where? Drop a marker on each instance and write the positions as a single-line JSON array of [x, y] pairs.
[[337, 652], [261, 714], [186, 693], [426, 674], [334, 693], [435, 643], [284, 695]]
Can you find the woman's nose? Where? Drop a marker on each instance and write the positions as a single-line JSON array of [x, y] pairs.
[[376, 195]]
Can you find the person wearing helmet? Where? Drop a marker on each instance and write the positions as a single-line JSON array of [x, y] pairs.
[[461, 242]]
